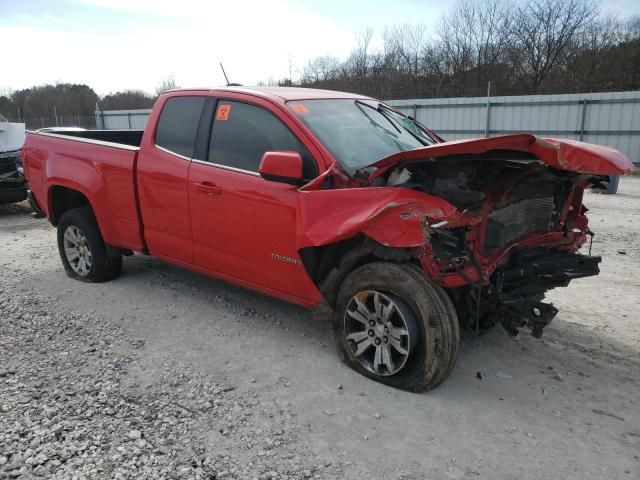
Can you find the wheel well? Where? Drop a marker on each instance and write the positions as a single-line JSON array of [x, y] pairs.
[[328, 265], [64, 199]]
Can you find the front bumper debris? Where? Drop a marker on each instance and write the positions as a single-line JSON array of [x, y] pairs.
[[518, 286]]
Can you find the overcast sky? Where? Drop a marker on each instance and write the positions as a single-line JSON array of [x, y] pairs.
[[113, 45]]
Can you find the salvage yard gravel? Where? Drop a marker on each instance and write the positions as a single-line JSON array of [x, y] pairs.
[[68, 411], [166, 374]]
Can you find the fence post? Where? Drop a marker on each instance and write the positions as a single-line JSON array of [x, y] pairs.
[[129, 119], [488, 119], [583, 118]]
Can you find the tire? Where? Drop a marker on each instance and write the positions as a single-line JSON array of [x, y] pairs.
[[80, 224], [433, 335]]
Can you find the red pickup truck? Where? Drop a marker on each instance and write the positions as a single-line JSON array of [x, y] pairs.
[[336, 202]]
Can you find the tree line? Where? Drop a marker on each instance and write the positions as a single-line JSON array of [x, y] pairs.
[[68, 104], [518, 46], [66, 99], [521, 47]]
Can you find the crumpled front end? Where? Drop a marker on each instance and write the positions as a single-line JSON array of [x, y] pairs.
[[521, 239], [496, 227]]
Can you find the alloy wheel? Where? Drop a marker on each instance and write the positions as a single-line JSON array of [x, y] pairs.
[[77, 251], [377, 327]]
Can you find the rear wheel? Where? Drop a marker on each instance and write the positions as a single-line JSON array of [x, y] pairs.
[[395, 326], [82, 249]]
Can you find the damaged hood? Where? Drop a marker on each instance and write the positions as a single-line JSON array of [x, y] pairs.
[[567, 155], [395, 217]]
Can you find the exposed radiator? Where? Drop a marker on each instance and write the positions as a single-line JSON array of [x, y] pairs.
[[517, 219]]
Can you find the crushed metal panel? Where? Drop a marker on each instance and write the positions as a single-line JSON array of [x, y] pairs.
[[391, 216], [569, 155]]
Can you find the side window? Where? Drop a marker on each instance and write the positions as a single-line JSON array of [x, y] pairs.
[[178, 124], [241, 133]]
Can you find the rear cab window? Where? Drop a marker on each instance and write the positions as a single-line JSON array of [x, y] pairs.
[[178, 124], [241, 133]]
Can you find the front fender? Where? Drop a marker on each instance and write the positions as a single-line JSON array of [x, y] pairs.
[[392, 216]]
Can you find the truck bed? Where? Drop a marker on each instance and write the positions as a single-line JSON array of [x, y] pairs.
[[86, 162], [125, 137]]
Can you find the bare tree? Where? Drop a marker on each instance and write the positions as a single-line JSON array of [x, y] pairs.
[[473, 38], [269, 82], [586, 52], [168, 83], [631, 28], [456, 44], [435, 69], [320, 69], [360, 56], [542, 31], [127, 99], [408, 43], [387, 71], [491, 36], [546, 45]]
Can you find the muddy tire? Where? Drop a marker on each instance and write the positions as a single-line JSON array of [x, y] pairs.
[[82, 249], [395, 326]]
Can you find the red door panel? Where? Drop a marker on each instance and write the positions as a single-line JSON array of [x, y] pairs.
[[164, 203], [245, 227]]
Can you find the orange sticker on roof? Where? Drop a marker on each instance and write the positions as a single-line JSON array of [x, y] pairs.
[[299, 108], [223, 112]]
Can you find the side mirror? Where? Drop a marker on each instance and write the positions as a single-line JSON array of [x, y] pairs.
[[281, 166]]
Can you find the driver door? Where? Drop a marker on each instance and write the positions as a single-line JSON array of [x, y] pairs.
[[244, 227]]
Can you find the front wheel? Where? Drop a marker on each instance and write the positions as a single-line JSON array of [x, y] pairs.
[[82, 249], [395, 326]]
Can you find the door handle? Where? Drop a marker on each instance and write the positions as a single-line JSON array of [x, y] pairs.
[[209, 188]]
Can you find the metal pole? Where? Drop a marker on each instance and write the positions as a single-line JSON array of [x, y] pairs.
[[583, 118], [97, 117], [488, 120], [129, 119], [19, 121], [55, 114]]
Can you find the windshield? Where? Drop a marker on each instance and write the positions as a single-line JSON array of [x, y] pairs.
[[359, 132]]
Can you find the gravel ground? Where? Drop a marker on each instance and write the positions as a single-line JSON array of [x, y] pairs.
[[167, 374], [70, 408]]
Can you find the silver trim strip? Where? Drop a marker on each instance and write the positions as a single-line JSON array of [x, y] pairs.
[[170, 152], [121, 146], [226, 167]]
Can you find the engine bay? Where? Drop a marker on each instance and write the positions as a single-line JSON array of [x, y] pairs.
[[508, 202]]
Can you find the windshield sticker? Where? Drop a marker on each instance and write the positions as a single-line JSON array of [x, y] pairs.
[[299, 108], [223, 112]]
